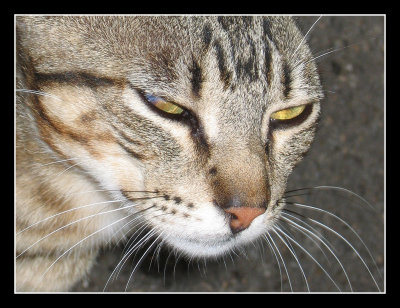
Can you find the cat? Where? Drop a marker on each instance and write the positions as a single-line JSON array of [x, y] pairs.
[[184, 130]]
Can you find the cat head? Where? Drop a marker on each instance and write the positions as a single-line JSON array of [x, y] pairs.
[[196, 122]]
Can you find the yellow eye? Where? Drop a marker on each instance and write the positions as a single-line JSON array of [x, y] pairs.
[[169, 107], [163, 105], [289, 113]]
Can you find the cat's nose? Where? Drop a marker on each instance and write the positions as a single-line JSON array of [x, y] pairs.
[[242, 217]]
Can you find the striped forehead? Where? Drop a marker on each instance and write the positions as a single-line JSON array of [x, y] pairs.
[[251, 66], [247, 50]]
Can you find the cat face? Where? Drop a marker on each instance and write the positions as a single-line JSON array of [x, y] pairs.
[[195, 123]]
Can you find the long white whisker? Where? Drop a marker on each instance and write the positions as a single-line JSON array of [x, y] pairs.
[[112, 190], [38, 93], [128, 245], [126, 256], [123, 227], [277, 260], [131, 248], [127, 252], [76, 244], [73, 222], [144, 254], [165, 266], [305, 36], [129, 222], [66, 211], [320, 236], [335, 188], [320, 266], [123, 259], [155, 254], [326, 53], [293, 254], [62, 172], [345, 223], [300, 228], [283, 262], [351, 246]]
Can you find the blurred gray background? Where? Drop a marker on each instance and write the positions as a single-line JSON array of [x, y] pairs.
[[348, 152]]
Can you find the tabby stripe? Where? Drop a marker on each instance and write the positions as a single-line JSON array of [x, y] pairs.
[[131, 152], [248, 67], [268, 63], [286, 80], [197, 78], [267, 29], [57, 125], [207, 35], [77, 78], [224, 74], [225, 22], [126, 138]]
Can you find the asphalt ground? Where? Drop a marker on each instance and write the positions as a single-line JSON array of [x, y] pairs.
[[348, 152]]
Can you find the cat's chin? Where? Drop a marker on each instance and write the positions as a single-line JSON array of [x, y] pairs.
[[217, 239], [215, 247]]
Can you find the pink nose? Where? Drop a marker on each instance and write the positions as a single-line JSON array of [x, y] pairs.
[[241, 217]]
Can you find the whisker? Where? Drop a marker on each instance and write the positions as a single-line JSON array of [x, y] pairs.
[[155, 256], [58, 161], [131, 243], [84, 206], [333, 188], [67, 211], [124, 258], [176, 262], [134, 248], [351, 246], [305, 234], [127, 245], [329, 52], [277, 260], [345, 223], [38, 93], [62, 172], [144, 254], [127, 252], [293, 254], [320, 266], [118, 190], [165, 267], [63, 254], [129, 222], [296, 195], [283, 262], [304, 37], [73, 222], [300, 228], [286, 211]]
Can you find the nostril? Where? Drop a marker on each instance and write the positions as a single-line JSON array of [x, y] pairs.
[[242, 217], [232, 216]]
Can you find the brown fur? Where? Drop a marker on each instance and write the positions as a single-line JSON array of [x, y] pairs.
[[90, 129]]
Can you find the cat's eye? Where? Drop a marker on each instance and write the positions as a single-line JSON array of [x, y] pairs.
[[288, 113], [163, 105]]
